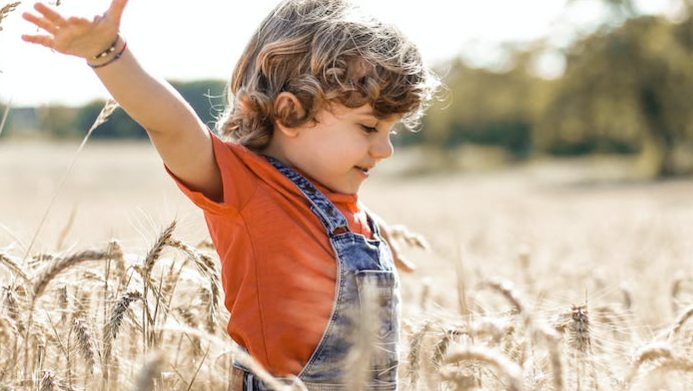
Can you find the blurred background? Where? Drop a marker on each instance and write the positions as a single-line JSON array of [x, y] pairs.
[[565, 94], [554, 79], [559, 155]]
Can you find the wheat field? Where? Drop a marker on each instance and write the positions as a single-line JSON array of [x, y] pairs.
[[541, 277]]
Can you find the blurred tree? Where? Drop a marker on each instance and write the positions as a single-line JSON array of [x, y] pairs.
[[626, 89], [488, 108], [198, 94], [59, 119], [118, 126], [2, 113], [206, 97]]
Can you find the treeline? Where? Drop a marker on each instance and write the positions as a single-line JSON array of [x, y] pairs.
[[627, 89], [205, 96]]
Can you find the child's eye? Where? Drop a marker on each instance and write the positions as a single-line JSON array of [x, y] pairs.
[[368, 129]]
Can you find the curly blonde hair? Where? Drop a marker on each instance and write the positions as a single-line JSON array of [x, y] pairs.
[[323, 52]]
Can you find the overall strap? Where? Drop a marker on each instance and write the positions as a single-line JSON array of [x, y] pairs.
[[331, 217]]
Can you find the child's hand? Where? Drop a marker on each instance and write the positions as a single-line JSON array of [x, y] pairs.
[[76, 36]]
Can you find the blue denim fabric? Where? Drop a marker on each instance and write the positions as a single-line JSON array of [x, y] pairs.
[[361, 262]]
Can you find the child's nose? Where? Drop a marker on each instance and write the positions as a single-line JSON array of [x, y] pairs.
[[382, 148]]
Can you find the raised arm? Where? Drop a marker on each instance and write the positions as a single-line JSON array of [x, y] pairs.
[[178, 134]]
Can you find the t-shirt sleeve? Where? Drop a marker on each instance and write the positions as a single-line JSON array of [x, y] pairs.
[[238, 181]]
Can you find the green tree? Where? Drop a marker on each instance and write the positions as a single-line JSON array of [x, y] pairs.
[[488, 108], [204, 96], [625, 88], [60, 120]]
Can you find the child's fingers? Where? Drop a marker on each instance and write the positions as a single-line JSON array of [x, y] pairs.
[[116, 8], [49, 14], [41, 22], [43, 40]]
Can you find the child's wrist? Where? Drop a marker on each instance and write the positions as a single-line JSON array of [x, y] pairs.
[[108, 50], [113, 53]]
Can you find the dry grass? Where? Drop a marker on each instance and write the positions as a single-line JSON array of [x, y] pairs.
[[149, 317], [525, 335], [5, 10]]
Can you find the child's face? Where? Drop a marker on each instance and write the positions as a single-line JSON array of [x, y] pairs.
[[339, 150]]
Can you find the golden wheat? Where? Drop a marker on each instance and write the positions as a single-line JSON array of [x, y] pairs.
[[4, 11]]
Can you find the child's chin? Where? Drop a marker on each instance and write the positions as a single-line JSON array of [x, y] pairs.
[[348, 190]]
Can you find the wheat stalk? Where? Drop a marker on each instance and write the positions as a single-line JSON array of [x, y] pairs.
[[11, 302], [7, 330], [61, 264], [6, 114], [155, 252], [113, 326], [676, 364], [117, 253], [507, 290], [4, 11], [107, 110], [650, 352], [685, 315], [410, 238], [49, 382], [85, 342], [415, 345], [66, 229], [12, 266], [441, 347], [243, 358], [151, 370], [504, 367], [43, 279], [579, 329], [207, 268]]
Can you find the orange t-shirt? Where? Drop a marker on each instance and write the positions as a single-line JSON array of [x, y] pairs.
[[278, 267]]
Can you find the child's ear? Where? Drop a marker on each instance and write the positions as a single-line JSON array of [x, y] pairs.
[[288, 111]]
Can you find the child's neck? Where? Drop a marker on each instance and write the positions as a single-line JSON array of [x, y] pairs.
[[275, 151]]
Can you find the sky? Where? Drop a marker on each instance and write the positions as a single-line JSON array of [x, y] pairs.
[[175, 40]]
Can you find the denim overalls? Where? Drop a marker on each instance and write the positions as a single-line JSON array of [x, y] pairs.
[[360, 262]]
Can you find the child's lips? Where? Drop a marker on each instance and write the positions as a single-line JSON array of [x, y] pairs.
[[364, 171]]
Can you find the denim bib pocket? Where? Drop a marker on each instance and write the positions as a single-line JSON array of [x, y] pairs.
[[385, 356]]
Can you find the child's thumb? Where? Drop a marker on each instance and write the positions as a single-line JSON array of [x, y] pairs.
[[116, 9]]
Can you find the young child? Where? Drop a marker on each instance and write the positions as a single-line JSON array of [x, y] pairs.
[[312, 103]]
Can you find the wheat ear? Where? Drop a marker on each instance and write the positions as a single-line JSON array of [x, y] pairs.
[[107, 110], [150, 371], [649, 352], [206, 267], [49, 382], [12, 266], [61, 264], [4, 11], [117, 255], [685, 315], [415, 345], [85, 342], [155, 251], [504, 367]]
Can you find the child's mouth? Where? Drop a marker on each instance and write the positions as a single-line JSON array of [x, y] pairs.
[[364, 171]]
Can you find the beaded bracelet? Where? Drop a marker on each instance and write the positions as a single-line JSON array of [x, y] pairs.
[[117, 56], [109, 50]]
